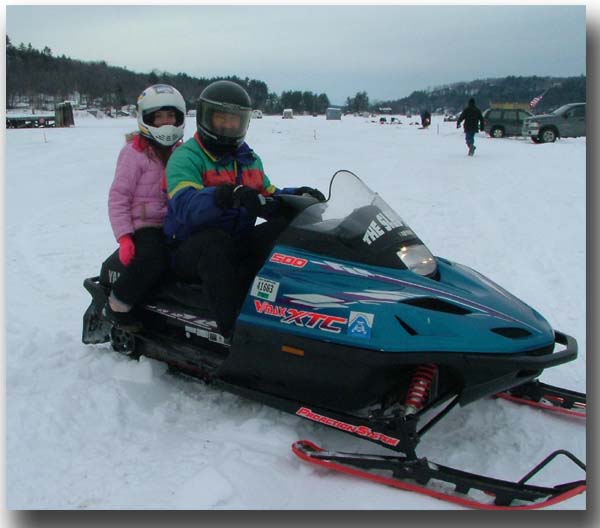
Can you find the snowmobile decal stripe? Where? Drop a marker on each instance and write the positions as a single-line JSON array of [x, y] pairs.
[[441, 293], [208, 324]]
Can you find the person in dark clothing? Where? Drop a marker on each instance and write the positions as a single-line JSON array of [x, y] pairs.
[[217, 188], [473, 119], [425, 118]]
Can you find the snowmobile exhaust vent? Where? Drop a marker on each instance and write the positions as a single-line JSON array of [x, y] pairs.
[[512, 332], [437, 305]]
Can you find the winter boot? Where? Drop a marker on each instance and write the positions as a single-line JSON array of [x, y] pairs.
[[121, 315]]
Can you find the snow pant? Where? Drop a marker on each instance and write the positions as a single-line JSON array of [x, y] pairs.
[[145, 269], [225, 266], [470, 138]]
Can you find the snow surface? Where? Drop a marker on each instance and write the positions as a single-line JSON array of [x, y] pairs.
[[88, 428]]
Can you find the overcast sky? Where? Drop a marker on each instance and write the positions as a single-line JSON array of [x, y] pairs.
[[387, 50]]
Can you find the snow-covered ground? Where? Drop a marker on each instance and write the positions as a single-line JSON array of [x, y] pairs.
[[88, 428]]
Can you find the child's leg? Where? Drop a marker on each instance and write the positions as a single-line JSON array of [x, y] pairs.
[[146, 268]]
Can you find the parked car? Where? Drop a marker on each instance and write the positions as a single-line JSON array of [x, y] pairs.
[[257, 114], [566, 121], [500, 122]]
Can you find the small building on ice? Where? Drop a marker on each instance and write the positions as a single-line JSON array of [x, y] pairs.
[[288, 113], [333, 113]]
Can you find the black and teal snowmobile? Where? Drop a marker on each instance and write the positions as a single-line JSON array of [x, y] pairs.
[[352, 323]]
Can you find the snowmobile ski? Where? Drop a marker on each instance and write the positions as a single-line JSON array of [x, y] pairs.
[[548, 397], [415, 475]]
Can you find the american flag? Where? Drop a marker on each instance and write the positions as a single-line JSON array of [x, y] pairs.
[[536, 100]]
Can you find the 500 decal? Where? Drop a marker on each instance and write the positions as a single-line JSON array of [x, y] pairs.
[[288, 260], [329, 323]]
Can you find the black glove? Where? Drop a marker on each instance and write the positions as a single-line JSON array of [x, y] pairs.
[[315, 193], [224, 195], [249, 198]]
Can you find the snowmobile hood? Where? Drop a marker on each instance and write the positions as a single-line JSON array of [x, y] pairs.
[[324, 280]]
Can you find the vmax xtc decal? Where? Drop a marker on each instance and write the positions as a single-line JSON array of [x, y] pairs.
[[329, 323]]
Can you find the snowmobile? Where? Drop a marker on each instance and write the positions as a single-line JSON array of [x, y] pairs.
[[352, 323]]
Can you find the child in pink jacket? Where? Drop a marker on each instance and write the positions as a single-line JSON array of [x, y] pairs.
[[137, 201]]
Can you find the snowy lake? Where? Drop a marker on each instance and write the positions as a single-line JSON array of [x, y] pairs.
[[90, 429]]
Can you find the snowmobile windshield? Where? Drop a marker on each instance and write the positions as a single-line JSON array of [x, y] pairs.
[[357, 225]]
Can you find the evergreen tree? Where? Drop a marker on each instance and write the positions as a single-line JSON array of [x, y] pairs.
[[322, 103], [33, 73], [152, 78]]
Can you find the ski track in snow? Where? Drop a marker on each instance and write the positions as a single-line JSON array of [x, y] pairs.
[[88, 428]]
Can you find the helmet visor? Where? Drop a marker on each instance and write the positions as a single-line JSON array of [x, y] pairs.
[[225, 120], [149, 115]]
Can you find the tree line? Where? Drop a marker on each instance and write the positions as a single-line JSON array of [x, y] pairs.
[[34, 74], [556, 92]]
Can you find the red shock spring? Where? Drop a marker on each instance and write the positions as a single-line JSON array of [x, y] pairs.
[[419, 387]]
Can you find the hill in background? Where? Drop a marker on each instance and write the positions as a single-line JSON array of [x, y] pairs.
[[38, 79]]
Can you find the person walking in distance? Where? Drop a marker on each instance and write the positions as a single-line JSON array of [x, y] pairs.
[[473, 119]]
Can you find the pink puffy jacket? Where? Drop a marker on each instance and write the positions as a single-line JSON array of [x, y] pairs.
[[137, 196]]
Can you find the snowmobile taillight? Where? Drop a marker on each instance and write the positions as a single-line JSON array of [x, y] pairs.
[[420, 387]]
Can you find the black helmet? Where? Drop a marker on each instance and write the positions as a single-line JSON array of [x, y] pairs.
[[223, 97]]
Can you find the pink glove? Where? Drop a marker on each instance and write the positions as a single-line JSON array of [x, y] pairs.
[[126, 249]]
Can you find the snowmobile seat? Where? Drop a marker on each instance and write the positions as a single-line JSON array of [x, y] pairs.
[[188, 294]]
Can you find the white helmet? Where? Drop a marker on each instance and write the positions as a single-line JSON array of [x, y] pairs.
[[161, 97]]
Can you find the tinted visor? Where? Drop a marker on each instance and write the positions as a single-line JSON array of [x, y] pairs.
[[225, 120]]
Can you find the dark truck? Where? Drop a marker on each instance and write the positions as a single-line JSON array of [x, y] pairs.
[[566, 121]]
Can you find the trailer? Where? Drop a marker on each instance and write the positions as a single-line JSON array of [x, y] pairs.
[[62, 117], [30, 120]]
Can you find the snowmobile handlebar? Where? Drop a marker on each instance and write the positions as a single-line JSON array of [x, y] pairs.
[[288, 205]]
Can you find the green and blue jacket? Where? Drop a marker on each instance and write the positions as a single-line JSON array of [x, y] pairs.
[[193, 173]]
